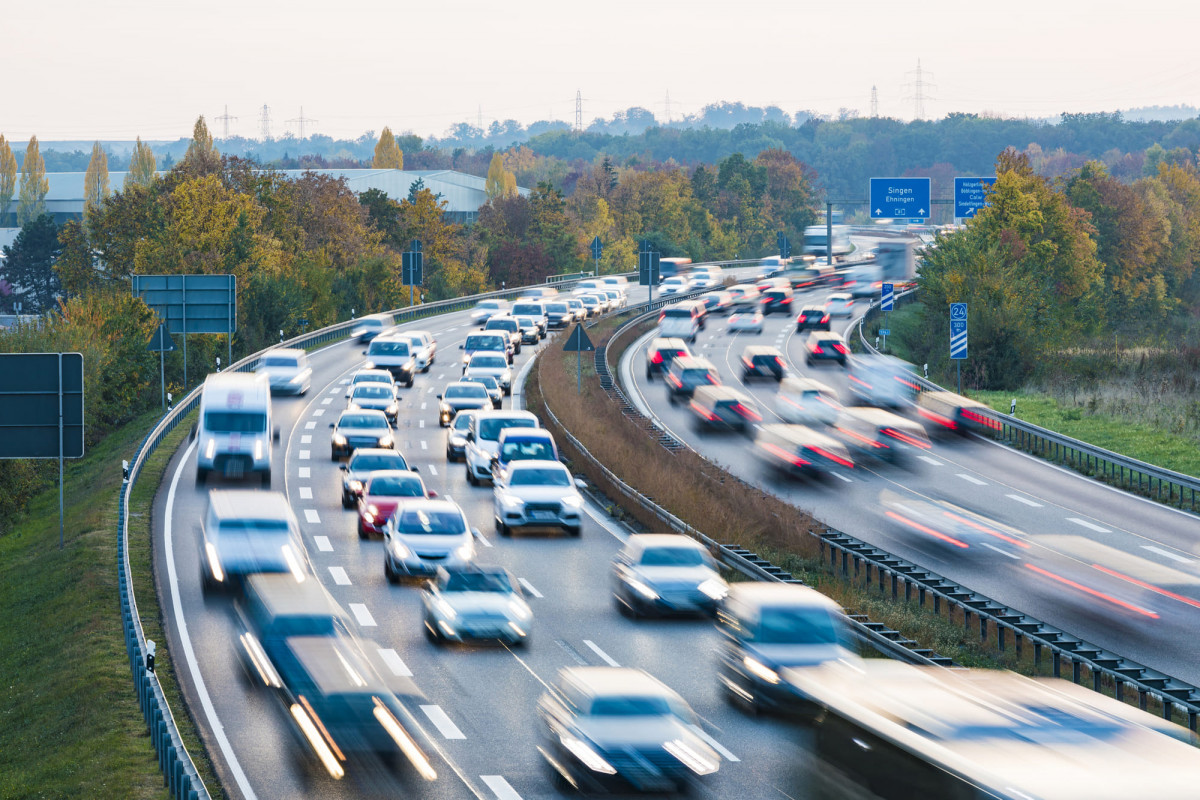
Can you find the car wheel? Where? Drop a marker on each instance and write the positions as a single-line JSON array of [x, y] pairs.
[[408, 383], [808, 362], [560, 781], [671, 398], [471, 479], [333, 456], [347, 501], [266, 479], [201, 477], [517, 351], [505, 531], [389, 571], [649, 375], [432, 636], [508, 391], [574, 530], [362, 533]]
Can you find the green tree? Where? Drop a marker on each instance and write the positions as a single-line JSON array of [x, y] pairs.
[[141, 166], [8, 179], [76, 267], [387, 153], [34, 185], [95, 181], [202, 157], [29, 263]]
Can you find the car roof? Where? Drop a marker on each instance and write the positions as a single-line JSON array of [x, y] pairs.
[[825, 335], [761, 350], [817, 309], [526, 433], [374, 412], [795, 384], [511, 413], [530, 463], [377, 451], [371, 372], [249, 504], [431, 504], [692, 362], [667, 341], [293, 352], [621, 681], [762, 593], [645, 540], [395, 473], [717, 393]]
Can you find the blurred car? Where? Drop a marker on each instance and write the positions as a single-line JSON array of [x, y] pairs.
[[879, 380], [577, 308], [475, 603], [536, 494], [616, 299], [594, 305], [685, 374], [744, 295], [804, 401], [371, 326], [881, 434], [777, 298], [746, 321], [661, 352], [424, 535], [586, 286], [424, 348], [508, 325], [616, 728], [559, 315], [483, 439], [814, 318], [496, 342], [493, 364], [723, 408], [840, 304], [245, 532], [491, 384], [825, 346], [676, 284], [953, 413], [535, 308], [530, 333], [377, 397], [771, 627], [762, 361], [382, 494], [363, 462], [456, 437], [459, 396], [699, 279], [359, 428], [799, 451], [666, 573], [618, 282], [524, 444], [768, 282], [287, 371], [485, 309], [952, 528], [393, 354], [716, 302], [370, 376]]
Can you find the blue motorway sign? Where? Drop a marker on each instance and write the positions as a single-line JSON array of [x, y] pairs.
[[958, 331], [888, 297], [969, 195], [597, 248], [900, 198]]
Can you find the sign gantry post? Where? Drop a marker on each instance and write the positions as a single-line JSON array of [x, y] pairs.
[[597, 252], [162, 343], [887, 299]]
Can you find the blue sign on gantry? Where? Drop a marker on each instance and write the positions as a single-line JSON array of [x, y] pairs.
[[900, 198], [969, 195]]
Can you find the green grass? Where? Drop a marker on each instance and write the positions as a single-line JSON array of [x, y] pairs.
[[70, 718], [1142, 441]]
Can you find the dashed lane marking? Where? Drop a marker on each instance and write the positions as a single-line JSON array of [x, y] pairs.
[[603, 655], [1166, 554], [306, 493], [929, 460], [1024, 500], [335, 390], [714, 744], [362, 615], [442, 722], [971, 479], [500, 787], [432, 469], [305, 472], [305, 455], [322, 543], [529, 587], [339, 576], [310, 425], [424, 446], [306, 439], [320, 412], [394, 662], [310, 515], [1090, 526], [326, 401]]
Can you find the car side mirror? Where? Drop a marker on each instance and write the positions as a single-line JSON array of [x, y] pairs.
[[439, 397], [275, 434], [414, 468], [462, 347], [331, 424], [432, 494], [344, 467], [364, 352], [475, 532]]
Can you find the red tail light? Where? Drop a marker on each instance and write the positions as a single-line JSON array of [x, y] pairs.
[[708, 415], [904, 437], [845, 462], [825, 318], [657, 358], [791, 458], [747, 413], [786, 300], [817, 350], [861, 438], [981, 419], [674, 380], [841, 348], [938, 418], [749, 364], [779, 361], [712, 379]]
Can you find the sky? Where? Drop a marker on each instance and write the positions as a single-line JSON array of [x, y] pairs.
[[115, 69]]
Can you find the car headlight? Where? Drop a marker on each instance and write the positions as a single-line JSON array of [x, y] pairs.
[[458, 440], [573, 501], [338, 439], [210, 448], [714, 588], [465, 552], [445, 609], [760, 670], [690, 758], [385, 440], [355, 486], [369, 515], [258, 449], [586, 755], [399, 550], [393, 409], [297, 378], [511, 501], [641, 588], [369, 365], [519, 608]]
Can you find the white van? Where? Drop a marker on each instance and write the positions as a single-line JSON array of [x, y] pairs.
[[371, 326], [234, 433]]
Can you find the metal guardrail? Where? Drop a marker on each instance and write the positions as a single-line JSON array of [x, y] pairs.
[[179, 771]]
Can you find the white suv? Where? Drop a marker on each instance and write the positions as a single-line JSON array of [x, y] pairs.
[[536, 494], [483, 439]]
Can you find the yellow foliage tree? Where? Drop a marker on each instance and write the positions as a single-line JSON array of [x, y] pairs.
[[202, 157], [141, 166], [500, 182], [8, 178], [95, 181], [387, 152], [34, 185]]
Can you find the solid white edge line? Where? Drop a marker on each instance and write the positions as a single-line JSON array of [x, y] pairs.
[[714, 744], [603, 655], [529, 587], [500, 787], [442, 722], [189, 653]]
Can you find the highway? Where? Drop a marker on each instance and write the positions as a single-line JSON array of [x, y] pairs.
[[1116, 570], [478, 703]]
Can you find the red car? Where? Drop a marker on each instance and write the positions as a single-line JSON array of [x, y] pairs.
[[385, 491]]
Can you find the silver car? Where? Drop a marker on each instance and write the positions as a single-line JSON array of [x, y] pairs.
[[475, 603], [666, 573], [359, 428], [424, 535], [376, 396], [490, 363], [287, 371], [536, 494], [370, 376]]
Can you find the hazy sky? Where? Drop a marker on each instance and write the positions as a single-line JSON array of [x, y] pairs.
[[108, 69]]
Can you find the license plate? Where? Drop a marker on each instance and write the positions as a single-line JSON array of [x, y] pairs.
[[543, 515], [233, 469]]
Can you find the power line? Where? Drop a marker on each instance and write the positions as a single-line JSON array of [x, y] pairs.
[[264, 123], [225, 119], [301, 121]]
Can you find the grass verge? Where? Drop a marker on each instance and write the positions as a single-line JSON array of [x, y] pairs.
[[71, 722]]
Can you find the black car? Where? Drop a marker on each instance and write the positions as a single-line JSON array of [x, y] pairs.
[[661, 353], [456, 437], [759, 361], [778, 298], [461, 395], [686, 373], [825, 346], [558, 315], [814, 318], [362, 463]]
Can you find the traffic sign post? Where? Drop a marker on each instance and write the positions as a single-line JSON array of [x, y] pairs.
[[579, 343], [412, 269], [958, 337], [597, 252], [647, 269], [161, 343], [785, 246], [970, 195], [900, 198], [887, 298]]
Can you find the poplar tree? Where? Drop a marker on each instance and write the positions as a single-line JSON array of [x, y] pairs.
[[387, 153], [493, 185], [8, 179], [34, 185], [202, 157], [95, 181], [141, 166]]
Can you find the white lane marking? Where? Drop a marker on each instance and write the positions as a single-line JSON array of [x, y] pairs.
[[424, 446], [441, 375], [442, 722], [306, 439], [529, 587], [991, 546], [971, 479], [430, 389], [305, 472], [326, 401], [310, 425], [362, 615], [432, 469], [1091, 527], [929, 460], [1166, 554], [306, 493], [344, 381], [311, 515], [421, 423], [604, 521], [323, 544], [336, 390], [319, 412], [605, 656], [305, 455], [1024, 500], [841, 476], [484, 541], [714, 744], [423, 405], [339, 576], [394, 662], [500, 787], [210, 712]]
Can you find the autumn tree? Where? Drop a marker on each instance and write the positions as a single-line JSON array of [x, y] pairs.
[[500, 182], [202, 157], [34, 185], [141, 166], [8, 179], [95, 180], [29, 263], [387, 152], [75, 266]]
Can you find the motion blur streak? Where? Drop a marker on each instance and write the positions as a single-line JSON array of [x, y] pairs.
[[314, 738], [1092, 592], [926, 529], [405, 742], [985, 529], [1149, 586]]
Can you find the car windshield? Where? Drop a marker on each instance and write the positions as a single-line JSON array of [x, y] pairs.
[[502, 325], [629, 707], [416, 341], [462, 422], [280, 361], [558, 308], [672, 557], [371, 463], [396, 486], [479, 582], [698, 374], [377, 391], [445, 522], [489, 362], [371, 378], [540, 476], [795, 626], [235, 422], [486, 380], [484, 343], [362, 421], [259, 525], [490, 305], [676, 311], [528, 451], [389, 348], [588, 300], [470, 390], [489, 429]]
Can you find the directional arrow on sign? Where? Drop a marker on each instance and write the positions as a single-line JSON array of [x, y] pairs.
[[921, 211], [879, 211]]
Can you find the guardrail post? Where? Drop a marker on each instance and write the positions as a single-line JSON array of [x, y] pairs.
[[983, 629], [1119, 691], [1168, 708], [1096, 676], [1192, 720], [920, 596], [1076, 670], [1057, 664], [895, 586], [1000, 636], [937, 604], [1143, 698], [1037, 654]]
